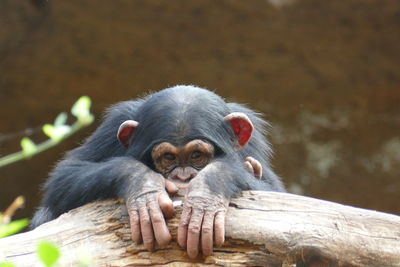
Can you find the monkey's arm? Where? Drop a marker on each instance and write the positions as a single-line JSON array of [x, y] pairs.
[[75, 182]]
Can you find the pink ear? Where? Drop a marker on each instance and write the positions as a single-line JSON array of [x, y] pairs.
[[241, 126], [125, 131]]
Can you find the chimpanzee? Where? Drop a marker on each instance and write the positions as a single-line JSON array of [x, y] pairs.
[[180, 137]]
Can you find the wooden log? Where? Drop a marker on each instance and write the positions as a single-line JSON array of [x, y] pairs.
[[262, 229]]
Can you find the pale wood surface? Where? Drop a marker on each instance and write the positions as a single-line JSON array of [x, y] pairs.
[[262, 228]]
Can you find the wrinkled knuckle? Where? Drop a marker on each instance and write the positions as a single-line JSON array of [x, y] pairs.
[[157, 218], [145, 220], [133, 215], [194, 229], [207, 230], [184, 223], [132, 211], [134, 221]]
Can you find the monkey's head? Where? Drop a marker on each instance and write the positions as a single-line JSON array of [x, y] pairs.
[[181, 163], [179, 130]]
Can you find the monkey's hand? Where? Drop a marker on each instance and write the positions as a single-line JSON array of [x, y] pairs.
[[147, 207], [202, 222], [253, 166]]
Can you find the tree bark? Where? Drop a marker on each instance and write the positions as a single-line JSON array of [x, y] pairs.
[[262, 229]]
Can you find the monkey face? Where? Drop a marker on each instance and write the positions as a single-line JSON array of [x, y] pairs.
[[181, 164]]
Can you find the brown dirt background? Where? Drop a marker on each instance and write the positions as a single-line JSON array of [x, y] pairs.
[[326, 74]]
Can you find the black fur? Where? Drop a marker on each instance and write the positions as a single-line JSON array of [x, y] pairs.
[[101, 167]]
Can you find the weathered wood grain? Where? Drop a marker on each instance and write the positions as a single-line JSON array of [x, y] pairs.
[[262, 229]]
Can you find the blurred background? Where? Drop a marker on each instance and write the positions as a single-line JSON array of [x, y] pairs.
[[326, 74]]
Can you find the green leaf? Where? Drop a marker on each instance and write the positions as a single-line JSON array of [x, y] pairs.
[[81, 108], [28, 146], [56, 133], [48, 253], [49, 130], [13, 227], [62, 130], [6, 264], [86, 120], [61, 119]]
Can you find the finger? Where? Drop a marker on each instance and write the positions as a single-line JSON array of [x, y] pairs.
[[219, 228], [165, 204], [249, 167], [257, 167], [183, 226], [171, 187], [193, 235], [145, 226], [207, 233], [160, 228], [135, 223]]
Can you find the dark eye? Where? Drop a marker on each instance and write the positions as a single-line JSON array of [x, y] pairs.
[[196, 154], [169, 156]]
